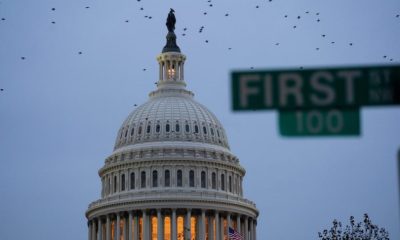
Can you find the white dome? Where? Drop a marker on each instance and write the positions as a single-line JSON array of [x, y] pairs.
[[171, 116]]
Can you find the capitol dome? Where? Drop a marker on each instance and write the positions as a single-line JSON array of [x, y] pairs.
[[170, 117], [171, 175]]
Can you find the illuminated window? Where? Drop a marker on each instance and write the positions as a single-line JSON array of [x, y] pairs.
[[123, 182], [179, 178], [154, 228], [143, 179], [179, 224], [155, 178], [167, 228], [167, 178], [121, 231], [171, 71], [133, 180], [222, 182], [191, 178], [193, 229], [214, 180], [203, 179]]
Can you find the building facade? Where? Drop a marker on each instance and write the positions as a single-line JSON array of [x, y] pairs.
[[172, 174]]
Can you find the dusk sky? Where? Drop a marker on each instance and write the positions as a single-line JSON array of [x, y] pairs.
[[70, 76]]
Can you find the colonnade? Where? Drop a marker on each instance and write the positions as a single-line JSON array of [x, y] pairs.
[[170, 224]]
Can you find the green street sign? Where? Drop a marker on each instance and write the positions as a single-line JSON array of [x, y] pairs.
[[323, 122], [349, 87]]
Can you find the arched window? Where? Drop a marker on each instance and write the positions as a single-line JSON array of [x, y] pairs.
[[132, 180], [179, 178], [123, 182], [217, 133], [115, 183], [191, 178], [148, 128], [204, 130], [109, 186], [187, 128], [126, 132], [167, 178], [203, 179], [196, 129], [212, 131], [132, 131], [140, 130], [177, 127], [143, 179], [214, 180], [223, 182], [230, 183], [167, 127], [155, 178], [158, 128]]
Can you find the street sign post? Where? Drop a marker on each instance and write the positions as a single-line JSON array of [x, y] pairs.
[[317, 102]]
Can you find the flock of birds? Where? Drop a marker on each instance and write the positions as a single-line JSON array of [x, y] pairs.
[[184, 30]]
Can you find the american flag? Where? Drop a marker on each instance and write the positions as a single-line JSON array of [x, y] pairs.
[[233, 235]]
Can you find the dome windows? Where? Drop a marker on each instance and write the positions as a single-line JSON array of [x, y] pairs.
[[132, 181], [158, 128], [187, 128], [191, 178], [179, 178], [167, 127], [143, 179], [140, 130], [132, 131], [123, 182], [155, 178], [204, 130], [148, 128], [203, 179], [115, 184], [167, 181], [196, 129], [223, 182], [212, 131], [177, 129], [214, 180]]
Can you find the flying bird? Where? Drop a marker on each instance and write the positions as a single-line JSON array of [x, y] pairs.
[[53, 9], [22, 58]]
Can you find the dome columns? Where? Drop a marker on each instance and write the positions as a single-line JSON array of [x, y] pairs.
[[161, 224]]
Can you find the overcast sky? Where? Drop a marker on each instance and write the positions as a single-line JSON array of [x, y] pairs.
[[69, 85]]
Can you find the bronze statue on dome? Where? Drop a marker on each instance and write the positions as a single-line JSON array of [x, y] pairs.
[[171, 20]]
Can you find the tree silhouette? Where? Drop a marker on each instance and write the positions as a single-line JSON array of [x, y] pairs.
[[361, 231]]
